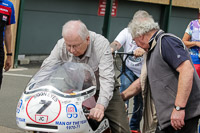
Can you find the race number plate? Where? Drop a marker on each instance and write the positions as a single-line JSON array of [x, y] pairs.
[[43, 108]]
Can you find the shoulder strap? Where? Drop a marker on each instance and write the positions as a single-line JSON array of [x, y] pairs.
[[155, 39], [159, 34], [167, 34]]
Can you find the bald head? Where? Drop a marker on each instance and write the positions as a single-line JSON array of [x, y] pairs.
[[76, 36], [75, 28]]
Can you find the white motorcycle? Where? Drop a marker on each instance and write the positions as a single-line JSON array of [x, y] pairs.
[[57, 99]]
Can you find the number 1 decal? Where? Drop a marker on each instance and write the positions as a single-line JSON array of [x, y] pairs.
[[43, 109], [46, 105]]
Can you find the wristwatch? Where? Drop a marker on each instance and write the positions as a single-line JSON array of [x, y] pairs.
[[9, 54], [178, 108]]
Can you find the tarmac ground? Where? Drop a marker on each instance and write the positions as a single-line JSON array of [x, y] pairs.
[[14, 83]]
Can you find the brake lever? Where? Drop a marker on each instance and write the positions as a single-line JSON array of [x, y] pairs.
[[86, 111], [115, 53]]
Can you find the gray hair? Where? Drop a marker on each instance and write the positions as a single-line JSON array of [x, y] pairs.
[[141, 24], [75, 26]]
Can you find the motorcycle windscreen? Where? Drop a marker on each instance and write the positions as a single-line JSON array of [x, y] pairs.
[[67, 77]]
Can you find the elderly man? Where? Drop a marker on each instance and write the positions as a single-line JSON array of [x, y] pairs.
[[83, 46], [170, 85]]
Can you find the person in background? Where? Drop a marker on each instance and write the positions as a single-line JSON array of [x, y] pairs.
[[132, 70], [7, 17], [81, 45], [191, 39], [169, 84]]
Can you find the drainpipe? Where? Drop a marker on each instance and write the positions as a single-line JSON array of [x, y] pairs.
[[106, 24], [169, 14], [21, 10], [165, 16]]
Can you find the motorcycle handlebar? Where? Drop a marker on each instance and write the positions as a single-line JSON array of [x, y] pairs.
[[129, 53], [86, 111], [123, 53]]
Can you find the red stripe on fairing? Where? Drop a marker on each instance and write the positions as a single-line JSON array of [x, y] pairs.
[[8, 12]]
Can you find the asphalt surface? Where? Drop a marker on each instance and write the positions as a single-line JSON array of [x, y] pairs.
[[14, 83]]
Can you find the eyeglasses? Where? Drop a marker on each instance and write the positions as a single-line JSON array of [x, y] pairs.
[[74, 46]]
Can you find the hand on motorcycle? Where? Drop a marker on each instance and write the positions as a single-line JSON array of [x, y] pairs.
[[97, 113]]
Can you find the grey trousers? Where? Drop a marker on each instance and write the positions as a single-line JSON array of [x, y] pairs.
[[116, 114]]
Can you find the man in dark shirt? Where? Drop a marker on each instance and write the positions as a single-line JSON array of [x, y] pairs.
[[169, 82], [175, 48], [7, 17]]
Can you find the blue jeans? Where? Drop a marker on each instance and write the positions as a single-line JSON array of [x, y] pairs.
[[138, 104]]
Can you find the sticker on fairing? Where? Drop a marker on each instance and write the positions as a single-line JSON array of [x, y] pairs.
[[19, 106], [43, 108], [71, 111]]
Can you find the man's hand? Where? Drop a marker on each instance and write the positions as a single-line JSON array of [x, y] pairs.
[[115, 45], [132, 90], [97, 113], [177, 119], [139, 52], [197, 44], [7, 63]]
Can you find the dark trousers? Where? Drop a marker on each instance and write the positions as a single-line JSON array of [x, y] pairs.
[[116, 114], [1, 76], [191, 126], [1, 64]]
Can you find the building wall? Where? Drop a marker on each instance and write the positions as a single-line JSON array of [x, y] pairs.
[[43, 20], [180, 19], [179, 3], [125, 12]]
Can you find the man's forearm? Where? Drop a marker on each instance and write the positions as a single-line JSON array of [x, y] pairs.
[[184, 84], [115, 46], [8, 38], [132, 90]]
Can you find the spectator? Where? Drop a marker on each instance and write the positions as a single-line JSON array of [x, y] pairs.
[[7, 15], [132, 70], [191, 39], [169, 84]]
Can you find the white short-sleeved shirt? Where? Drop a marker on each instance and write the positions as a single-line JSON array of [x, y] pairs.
[[125, 39]]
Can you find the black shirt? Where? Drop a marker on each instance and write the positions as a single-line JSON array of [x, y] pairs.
[[172, 50]]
